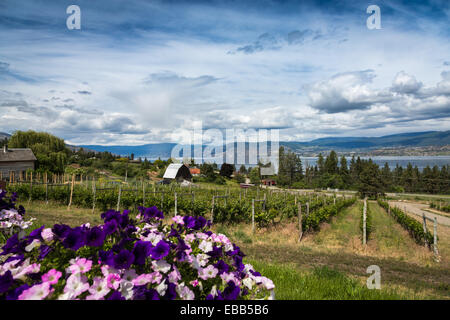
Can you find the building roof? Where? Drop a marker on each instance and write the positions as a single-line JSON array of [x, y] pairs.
[[267, 171], [194, 170], [172, 170], [19, 154]]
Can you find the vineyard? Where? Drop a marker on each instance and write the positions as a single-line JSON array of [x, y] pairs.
[[224, 205], [414, 227]]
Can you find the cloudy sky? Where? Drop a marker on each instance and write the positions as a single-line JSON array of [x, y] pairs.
[[142, 71]]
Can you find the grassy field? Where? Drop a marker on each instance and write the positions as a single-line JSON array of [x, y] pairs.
[[407, 269], [329, 264]]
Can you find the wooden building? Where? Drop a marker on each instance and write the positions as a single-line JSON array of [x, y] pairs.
[[16, 161], [177, 172]]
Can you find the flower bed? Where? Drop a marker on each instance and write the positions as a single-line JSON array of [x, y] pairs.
[[11, 218], [125, 258]]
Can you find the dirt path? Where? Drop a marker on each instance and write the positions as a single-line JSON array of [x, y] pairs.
[[419, 209]]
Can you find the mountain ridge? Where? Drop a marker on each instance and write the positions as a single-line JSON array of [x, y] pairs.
[[411, 139]]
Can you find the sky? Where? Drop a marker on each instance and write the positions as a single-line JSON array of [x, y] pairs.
[[139, 72]]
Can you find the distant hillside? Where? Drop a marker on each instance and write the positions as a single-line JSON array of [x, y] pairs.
[[4, 135], [414, 139], [151, 151]]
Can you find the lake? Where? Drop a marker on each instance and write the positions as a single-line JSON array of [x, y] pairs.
[[420, 161]]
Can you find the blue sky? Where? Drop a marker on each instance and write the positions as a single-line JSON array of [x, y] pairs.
[[143, 71]]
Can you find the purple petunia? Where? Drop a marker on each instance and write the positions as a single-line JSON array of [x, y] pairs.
[[106, 257], [110, 227], [95, 237], [61, 230], [6, 281], [44, 251], [160, 251], [141, 251], [231, 292], [123, 259], [116, 296], [222, 267], [74, 240]]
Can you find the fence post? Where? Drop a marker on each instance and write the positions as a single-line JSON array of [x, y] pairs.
[[175, 203], [94, 188], [264, 203], [300, 222], [253, 215], [118, 198], [31, 186], [212, 210], [71, 191], [364, 222], [424, 224], [436, 252], [46, 188], [143, 193]]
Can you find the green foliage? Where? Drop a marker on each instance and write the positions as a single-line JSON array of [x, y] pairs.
[[254, 175], [50, 151], [413, 226]]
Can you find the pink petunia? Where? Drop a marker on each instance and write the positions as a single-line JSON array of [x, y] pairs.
[[37, 292], [52, 276], [81, 265], [113, 281]]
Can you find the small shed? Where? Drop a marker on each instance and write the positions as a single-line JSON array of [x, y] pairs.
[[177, 172], [16, 160]]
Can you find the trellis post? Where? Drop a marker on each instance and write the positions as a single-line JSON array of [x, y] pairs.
[[364, 222], [176, 203], [71, 191], [94, 188], [300, 229], [424, 225], [118, 198], [212, 210], [143, 193], [436, 252], [253, 215], [46, 188]]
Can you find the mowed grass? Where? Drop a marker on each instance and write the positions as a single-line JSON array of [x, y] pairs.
[[53, 213], [322, 283]]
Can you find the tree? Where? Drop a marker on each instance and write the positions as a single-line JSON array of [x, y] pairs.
[[343, 171], [226, 170], [370, 183], [320, 164], [243, 169], [207, 170], [254, 175], [50, 151], [386, 177], [331, 163], [290, 167]]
